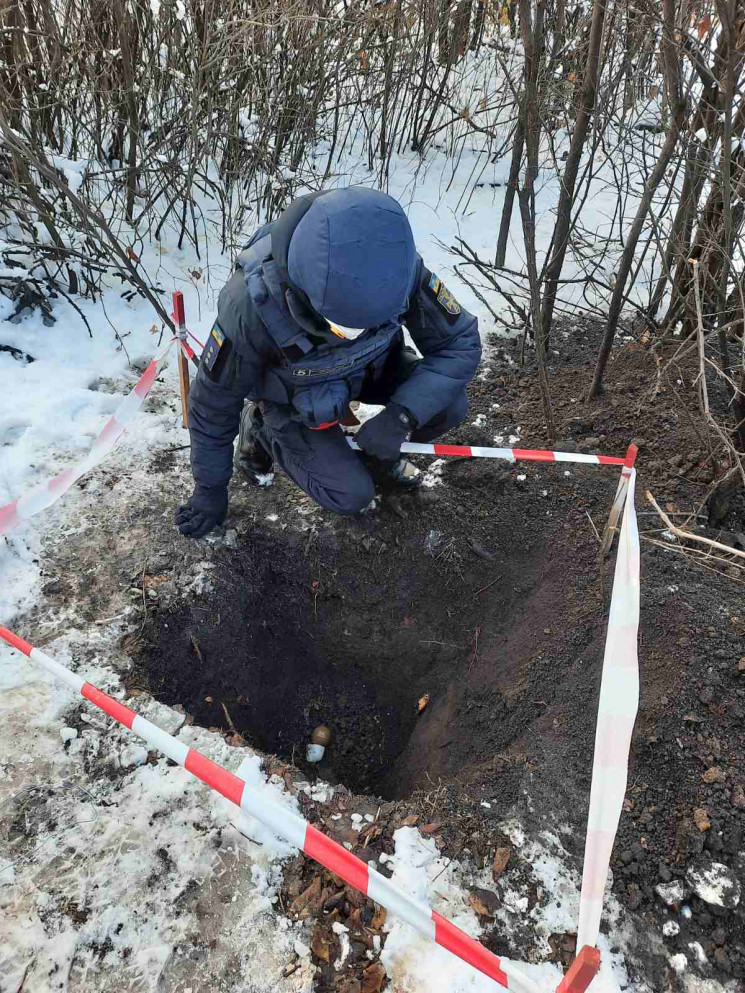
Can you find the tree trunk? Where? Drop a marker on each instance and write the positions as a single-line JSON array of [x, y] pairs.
[[571, 170], [512, 185], [676, 101], [533, 41]]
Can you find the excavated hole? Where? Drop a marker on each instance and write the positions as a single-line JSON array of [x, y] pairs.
[[350, 631]]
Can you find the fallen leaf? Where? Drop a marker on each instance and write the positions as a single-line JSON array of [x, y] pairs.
[[701, 819], [373, 978], [132, 254], [423, 702], [501, 858], [430, 828], [378, 918], [483, 902], [354, 897], [410, 821], [321, 943], [309, 900], [130, 644]]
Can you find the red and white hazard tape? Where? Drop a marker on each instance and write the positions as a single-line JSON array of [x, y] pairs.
[[45, 494], [619, 702], [188, 351], [510, 454], [291, 827]]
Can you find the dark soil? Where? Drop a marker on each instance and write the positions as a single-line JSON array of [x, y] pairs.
[[485, 593]]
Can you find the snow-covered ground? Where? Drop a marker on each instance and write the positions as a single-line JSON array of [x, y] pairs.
[[118, 871]]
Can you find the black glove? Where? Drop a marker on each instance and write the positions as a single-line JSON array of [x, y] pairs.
[[206, 508], [383, 435]]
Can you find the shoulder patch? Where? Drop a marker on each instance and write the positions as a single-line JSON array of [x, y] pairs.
[[444, 297], [212, 349]]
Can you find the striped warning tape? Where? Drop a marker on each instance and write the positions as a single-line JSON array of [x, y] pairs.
[[619, 702], [46, 493], [188, 351], [291, 827], [510, 454]]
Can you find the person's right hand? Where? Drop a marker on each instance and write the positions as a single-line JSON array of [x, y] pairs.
[[206, 508]]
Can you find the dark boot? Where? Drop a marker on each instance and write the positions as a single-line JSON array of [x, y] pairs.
[[252, 460], [401, 472]]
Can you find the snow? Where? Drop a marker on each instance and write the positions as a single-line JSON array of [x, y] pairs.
[[433, 475], [159, 847], [672, 893], [715, 884], [133, 755], [699, 953], [414, 966], [678, 963]]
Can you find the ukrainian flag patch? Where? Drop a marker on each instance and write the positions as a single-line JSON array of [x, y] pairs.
[[212, 349], [443, 296]]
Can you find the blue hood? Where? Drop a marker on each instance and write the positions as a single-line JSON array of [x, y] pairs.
[[353, 254]]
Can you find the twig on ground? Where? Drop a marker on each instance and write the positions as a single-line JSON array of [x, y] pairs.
[[592, 525], [197, 649], [475, 648], [229, 719], [687, 536], [25, 975], [476, 592], [699, 557]]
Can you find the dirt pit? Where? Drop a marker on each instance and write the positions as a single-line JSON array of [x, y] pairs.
[[375, 638]]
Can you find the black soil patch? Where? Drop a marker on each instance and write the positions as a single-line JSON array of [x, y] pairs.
[[485, 594], [352, 628]]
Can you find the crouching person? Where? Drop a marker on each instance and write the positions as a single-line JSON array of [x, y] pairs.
[[312, 319]]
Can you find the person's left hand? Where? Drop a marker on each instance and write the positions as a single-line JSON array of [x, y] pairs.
[[383, 435], [206, 508]]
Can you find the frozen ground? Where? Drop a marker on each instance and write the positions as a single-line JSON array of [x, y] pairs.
[[119, 871]]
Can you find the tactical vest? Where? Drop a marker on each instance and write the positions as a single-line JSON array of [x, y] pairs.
[[320, 378]]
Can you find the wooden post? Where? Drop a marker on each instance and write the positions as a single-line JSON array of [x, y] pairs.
[[179, 316], [618, 503], [581, 972]]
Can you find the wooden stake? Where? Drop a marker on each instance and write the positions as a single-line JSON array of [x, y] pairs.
[[183, 378], [179, 317], [618, 503]]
